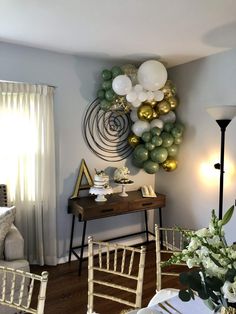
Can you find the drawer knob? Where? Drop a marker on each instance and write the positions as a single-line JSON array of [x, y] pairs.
[[147, 204]]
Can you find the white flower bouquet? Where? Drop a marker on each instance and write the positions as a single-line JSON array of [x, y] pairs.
[[213, 264]]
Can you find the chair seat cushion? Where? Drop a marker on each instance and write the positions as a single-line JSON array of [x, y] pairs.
[[7, 216]]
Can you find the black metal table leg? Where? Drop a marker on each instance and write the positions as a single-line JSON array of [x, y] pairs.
[[82, 247], [71, 236], [146, 225]]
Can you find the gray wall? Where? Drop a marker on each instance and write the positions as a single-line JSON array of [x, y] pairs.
[[191, 196], [77, 80]]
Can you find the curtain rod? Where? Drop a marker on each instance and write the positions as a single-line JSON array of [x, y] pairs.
[[28, 83]]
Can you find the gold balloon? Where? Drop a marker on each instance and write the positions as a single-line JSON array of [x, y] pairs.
[[163, 107], [169, 164], [173, 102], [155, 114], [133, 140], [145, 112], [150, 102], [169, 89]]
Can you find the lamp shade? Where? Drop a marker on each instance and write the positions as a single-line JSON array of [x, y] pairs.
[[227, 112]]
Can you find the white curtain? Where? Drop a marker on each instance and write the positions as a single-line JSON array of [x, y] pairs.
[[27, 165]]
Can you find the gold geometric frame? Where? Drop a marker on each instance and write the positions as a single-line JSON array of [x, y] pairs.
[[83, 171]]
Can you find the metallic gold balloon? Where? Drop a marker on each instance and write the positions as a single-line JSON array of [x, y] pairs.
[[169, 89], [133, 140], [173, 102], [169, 164], [150, 102], [155, 114], [163, 107], [145, 112]]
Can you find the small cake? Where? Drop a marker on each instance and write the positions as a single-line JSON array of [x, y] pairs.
[[101, 180], [121, 175]]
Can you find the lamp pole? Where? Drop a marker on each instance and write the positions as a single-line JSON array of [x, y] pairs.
[[222, 124]]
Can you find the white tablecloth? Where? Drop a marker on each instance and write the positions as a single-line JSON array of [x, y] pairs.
[[171, 297]]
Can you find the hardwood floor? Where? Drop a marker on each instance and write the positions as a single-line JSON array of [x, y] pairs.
[[67, 292]]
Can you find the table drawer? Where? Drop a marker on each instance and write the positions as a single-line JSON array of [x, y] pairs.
[[104, 211], [149, 203]]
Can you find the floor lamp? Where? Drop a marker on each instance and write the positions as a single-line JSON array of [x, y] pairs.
[[223, 116]]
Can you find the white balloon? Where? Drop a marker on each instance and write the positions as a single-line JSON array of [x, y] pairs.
[[122, 85], [133, 115], [152, 75], [157, 122], [132, 96], [139, 127], [169, 117], [142, 96], [158, 95], [150, 95], [136, 103], [138, 88]]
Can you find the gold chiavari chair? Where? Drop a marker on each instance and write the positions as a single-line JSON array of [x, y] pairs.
[[168, 241], [116, 261], [17, 288]]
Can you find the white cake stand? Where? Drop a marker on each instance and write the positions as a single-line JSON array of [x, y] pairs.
[[123, 192], [100, 192]]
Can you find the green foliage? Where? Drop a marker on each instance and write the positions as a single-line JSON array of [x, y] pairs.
[[228, 215]]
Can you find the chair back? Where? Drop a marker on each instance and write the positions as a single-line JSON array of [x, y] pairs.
[[22, 286], [168, 241], [113, 261]]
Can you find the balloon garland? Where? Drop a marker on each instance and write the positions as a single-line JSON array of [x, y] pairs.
[[151, 101]]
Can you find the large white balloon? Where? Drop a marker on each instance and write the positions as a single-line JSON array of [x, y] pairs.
[[152, 75], [139, 127], [157, 122], [169, 117], [122, 85]]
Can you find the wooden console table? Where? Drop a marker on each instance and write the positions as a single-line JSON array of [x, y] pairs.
[[86, 208]]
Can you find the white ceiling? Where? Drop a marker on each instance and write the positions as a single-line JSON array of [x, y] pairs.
[[177, 31]]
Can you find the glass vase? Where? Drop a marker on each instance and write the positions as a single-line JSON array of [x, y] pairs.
[[228, 310]]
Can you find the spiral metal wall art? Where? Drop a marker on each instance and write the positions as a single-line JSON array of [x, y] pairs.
[[106, 132]]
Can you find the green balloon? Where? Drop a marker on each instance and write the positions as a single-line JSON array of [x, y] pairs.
[[159, 154], [172, 150], [179, 126], [110, 95], [101, 94], [136, 163], [178, 140], [116, 71], [167, 139], [168, 126], [106, 75], [149, 146], [177, 131], [140, 153], [156, 140], [155, 131], [150, 167], [146, 137], [105, 105], [107, 85]]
